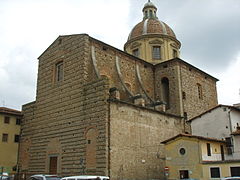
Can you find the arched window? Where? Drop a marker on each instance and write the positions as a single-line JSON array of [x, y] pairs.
[[151, 14], [165, 91]]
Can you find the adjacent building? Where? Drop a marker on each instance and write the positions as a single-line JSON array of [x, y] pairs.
[[100, 110], [10, 121], [221, 122], [196, 157]]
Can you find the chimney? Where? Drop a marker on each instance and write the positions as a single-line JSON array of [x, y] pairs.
[[139, 100]]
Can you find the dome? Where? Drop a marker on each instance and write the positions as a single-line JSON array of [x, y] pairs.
[[151, 26]]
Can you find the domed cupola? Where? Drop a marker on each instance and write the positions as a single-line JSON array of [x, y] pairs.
[[152, 39]]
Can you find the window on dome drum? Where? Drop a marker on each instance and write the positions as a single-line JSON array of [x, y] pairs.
[[215, 172], [4, 137], [156, 52], [6, 120], [59, 71], [135, 52], [174, 53], [199, 87]]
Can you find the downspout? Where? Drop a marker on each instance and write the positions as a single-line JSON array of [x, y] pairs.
[[230, 122]]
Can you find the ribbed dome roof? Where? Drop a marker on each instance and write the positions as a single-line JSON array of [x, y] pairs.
[[151, 26]]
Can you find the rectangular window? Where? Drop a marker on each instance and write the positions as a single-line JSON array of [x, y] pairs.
[[6, 120], [235, 171], [16, 138], [156, 52], [215, 172], [208, 149], [4, 137], [59, 71], [136, 52], [18, 121]]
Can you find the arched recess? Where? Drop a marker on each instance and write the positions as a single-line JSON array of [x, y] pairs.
[[91, 148], [165, 91]]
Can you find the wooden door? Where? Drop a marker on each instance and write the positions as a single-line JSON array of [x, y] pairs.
[[53, 165]]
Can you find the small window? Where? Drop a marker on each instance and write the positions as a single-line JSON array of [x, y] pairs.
[[136, 52], [156, 52], [89, 141], [6, 120], [18, 121], [4, 137], [208, 149], [16, 138], [215, 172], [182, 151], [183, 95], [146, 14], [151, 14], [175, 53], [199, 87], [59, 71], [185, 115]]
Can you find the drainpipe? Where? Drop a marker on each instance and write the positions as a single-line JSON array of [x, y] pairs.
[[230, 122]]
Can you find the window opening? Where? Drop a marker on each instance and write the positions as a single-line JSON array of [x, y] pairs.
[[165, 92], [215, 172], [208, 149], [6, 120], [59, 71], [156, 52], [4, 137], [136, 52]]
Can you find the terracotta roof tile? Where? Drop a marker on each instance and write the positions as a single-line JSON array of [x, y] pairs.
[[10, 111]]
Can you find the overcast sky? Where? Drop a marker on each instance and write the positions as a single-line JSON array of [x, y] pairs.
[[209, 31]]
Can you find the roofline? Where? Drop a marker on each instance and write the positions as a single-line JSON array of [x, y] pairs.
[[59, 37], [145, 108], [192, 136], [8, 111], [209, 110], [186, 63], [125, 53]]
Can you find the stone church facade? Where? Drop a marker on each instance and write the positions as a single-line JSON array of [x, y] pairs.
[[100, 110]]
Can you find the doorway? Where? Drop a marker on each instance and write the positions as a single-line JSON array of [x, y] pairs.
[[53, 165], [183, 174]]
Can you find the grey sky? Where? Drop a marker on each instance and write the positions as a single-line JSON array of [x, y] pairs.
[[208, 30]]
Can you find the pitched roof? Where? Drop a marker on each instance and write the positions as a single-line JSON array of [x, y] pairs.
[[193, 136], [209, 110], [5, 110]]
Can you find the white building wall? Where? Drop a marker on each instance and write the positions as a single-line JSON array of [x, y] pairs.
[[214, 124]]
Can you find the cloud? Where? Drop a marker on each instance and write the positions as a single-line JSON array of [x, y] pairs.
[[208, 30]]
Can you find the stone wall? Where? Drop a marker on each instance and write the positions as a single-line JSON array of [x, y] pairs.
[[135, 136], [65, 112]]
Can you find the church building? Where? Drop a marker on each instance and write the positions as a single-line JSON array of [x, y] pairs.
[[100, 110]]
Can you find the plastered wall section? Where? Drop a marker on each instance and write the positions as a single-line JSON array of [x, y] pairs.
[[9, 149], [64, 111], [135, 136], [190, 161]]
